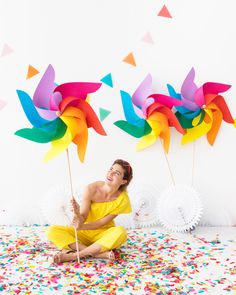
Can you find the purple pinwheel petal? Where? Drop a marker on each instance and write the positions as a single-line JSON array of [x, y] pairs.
[[148, 101], [55, 100], [189, 87], [45, 89], [143, 91], [192, 106], [199, 97], [47, 114]]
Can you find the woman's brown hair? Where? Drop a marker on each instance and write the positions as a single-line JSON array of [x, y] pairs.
[[128, 172]]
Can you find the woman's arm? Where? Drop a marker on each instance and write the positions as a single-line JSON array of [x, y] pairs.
[[98, 223]]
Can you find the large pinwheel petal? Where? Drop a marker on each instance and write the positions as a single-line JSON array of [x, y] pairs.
[[40, 135], [134, 130], [199, 97], [91, 117], [77, 89], [128, 108], [81, 141], [55, 100], [45, 89], [166, 139], [189, 87], [143, 91], [184, 122], [166, 100], [221, 104], [172, 92], [216, 123], [68, 101], [27, 104], [198, 131], [146, 141], [47, 114], [190, 105], [215, 88], [73, 112], [173, 121], [59, 146]]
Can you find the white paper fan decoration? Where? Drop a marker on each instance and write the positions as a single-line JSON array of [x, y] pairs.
[[179, 208], [55, 205], [144, 198]]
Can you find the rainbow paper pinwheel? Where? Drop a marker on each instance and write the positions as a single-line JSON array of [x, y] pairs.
[[148, 116], [203, 108], [60, 114]]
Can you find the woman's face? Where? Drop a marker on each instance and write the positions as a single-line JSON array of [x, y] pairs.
[[115, 175]]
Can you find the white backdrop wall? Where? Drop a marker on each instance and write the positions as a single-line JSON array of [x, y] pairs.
[[84, 41]]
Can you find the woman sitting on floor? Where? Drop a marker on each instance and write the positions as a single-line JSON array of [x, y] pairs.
[[94, 220]]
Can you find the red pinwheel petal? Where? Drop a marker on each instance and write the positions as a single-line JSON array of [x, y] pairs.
[[68, 101], [91, 117], [153, 107], [77, 89], [173, 121], [221, 104]]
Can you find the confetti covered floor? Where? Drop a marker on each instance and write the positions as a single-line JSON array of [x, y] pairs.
[[152, 262]]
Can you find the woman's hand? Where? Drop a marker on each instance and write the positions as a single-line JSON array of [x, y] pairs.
[[75, 207], [77, 222]]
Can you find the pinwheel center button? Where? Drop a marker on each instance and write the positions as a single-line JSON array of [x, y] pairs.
[[203, 106], [58, 113]]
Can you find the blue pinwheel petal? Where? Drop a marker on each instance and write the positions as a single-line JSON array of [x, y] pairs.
[[172, 92], [128, 107], [30, 110]]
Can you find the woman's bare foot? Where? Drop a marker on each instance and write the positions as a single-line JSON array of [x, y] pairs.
[[64, 256], [106, 255]]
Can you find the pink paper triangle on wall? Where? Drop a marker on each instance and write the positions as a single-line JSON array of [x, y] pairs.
[[164, 12], [6, 50], [148, 38]]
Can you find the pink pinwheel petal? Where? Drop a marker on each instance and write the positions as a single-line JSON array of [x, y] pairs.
[[77, 89], [146, 104], [47, 114], [199, 97], [215, 88], [55, 100], [166, 100], [143, 91], [45, 89], [189, 87]]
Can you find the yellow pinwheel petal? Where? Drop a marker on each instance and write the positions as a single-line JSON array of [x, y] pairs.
[[196, 120], [198, 131], [59, 146], [146, 141]]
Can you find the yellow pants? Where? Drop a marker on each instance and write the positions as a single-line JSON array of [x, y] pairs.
[[63, 236]]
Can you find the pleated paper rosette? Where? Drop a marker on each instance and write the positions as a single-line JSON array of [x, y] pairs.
[[143, 197], [179, 208], [55, 204]]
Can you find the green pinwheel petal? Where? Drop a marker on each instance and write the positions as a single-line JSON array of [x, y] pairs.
[[184, 122], [42, 135], [133, 130]]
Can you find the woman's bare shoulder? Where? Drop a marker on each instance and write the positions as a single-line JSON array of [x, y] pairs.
[[95, 186]]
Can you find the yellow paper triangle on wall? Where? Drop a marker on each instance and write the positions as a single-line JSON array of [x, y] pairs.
[[31, 72]]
